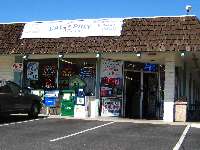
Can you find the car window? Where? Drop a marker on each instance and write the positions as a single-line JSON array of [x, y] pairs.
[[5, 89], [14, 88]]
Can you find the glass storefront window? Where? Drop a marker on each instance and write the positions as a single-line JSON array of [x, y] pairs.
[[69, 73]]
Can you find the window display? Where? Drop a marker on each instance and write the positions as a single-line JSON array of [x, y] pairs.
[[40, 74], [71, 74], [67, 70], [111, 88], [49, 76], [75, 74]]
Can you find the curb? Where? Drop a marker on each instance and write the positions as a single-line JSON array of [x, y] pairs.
[[138, 121], [195, 125]]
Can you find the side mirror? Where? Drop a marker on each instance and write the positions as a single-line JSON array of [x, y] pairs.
[[27, 90]]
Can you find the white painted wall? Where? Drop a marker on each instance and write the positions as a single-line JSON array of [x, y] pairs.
[[169, 92], [6, 71]]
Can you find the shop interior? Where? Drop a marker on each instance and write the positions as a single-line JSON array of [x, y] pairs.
[[150, 95], [132, 94]]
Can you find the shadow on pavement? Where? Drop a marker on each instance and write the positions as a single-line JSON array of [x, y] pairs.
[[15, 118]]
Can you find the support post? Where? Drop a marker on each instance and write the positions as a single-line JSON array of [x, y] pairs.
[[98, 71], [169, 91]]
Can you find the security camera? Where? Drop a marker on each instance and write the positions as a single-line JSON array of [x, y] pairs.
[[188, 8]]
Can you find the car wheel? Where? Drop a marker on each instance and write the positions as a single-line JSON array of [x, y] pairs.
[[34, 111]]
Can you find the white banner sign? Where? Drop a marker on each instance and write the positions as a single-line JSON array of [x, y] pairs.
[[73, 28]]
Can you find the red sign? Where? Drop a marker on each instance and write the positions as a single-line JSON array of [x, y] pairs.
[[17, 67]]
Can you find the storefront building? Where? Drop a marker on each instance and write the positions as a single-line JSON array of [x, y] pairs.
[[133, 67]]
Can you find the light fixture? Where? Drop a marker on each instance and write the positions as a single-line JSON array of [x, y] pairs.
[[60, 55], [97, 55], [138, 54], [182, 54], [25, 56]]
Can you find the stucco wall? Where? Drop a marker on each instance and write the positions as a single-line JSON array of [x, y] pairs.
[[6, 71]]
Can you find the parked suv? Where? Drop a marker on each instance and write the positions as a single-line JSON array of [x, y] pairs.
[[15, 100]]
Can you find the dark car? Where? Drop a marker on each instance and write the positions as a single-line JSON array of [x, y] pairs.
[[15, 100]]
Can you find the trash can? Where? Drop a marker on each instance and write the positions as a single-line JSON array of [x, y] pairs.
[[180, 111]]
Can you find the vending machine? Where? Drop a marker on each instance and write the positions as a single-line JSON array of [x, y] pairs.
[[67, 102], [51, 99], [81, 107]]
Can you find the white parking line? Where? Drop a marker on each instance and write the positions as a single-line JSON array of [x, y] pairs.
[[20, 122], [74, 134], [178, 144]]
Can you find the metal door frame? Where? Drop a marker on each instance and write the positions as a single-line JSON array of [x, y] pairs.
[[141, 90]]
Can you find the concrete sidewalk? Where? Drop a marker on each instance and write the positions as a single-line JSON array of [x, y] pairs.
[[118, 119]]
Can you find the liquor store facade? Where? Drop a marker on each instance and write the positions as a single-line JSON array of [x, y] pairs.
[[134, 68]]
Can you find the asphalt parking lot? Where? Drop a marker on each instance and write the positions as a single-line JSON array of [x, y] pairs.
[[20, 133]]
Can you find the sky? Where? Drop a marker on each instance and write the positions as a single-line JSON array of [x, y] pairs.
[[49, 10]]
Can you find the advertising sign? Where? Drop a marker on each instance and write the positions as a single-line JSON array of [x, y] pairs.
[[73, 28], [32, 70], [111, 69], [111, 87], [111, 107], [17, 67]]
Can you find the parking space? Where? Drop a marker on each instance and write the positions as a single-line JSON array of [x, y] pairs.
[[126, 136], [192, 140], [73, 134], [32, 135]]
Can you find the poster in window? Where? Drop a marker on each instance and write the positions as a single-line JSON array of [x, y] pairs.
[[111, 68], [111, 106], [111, 87], [32, 70], [17, 67]]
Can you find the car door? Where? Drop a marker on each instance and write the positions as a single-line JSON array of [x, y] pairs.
[[17, 96], [6, 100]]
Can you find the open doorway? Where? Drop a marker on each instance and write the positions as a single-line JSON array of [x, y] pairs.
[[141, 103], [150, 96], [132, 82]]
